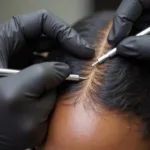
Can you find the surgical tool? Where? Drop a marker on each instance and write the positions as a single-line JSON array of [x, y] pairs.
[[7, 72], [113, 52]]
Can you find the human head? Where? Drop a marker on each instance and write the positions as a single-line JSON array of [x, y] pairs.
[[109, 110]]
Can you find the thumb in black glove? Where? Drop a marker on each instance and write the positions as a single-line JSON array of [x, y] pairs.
[[27, 99], [135, 47]]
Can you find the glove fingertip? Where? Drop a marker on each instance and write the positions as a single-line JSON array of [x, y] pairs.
[[62, 71], [128, 48], [112, 38], [77, 45], [88, 51], [64, 68]]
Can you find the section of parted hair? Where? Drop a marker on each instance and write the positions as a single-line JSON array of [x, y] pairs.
[[118, 84], [88, 90]]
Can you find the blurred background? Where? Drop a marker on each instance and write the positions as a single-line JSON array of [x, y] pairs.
[[68, 10]]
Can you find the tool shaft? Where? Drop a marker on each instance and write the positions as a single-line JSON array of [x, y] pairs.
[[7, 72], [144, 32]]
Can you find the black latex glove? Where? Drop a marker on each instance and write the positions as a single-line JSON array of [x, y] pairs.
[[131, 17], [27, 98]]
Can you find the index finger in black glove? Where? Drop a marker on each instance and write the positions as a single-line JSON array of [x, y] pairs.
[[127, 14], [25, 28]]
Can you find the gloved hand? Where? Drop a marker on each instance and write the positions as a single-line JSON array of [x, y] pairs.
[[27, 98], [131, 17]]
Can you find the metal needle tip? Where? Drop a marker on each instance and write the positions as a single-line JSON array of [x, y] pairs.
[[95, 63], [83, 78]]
